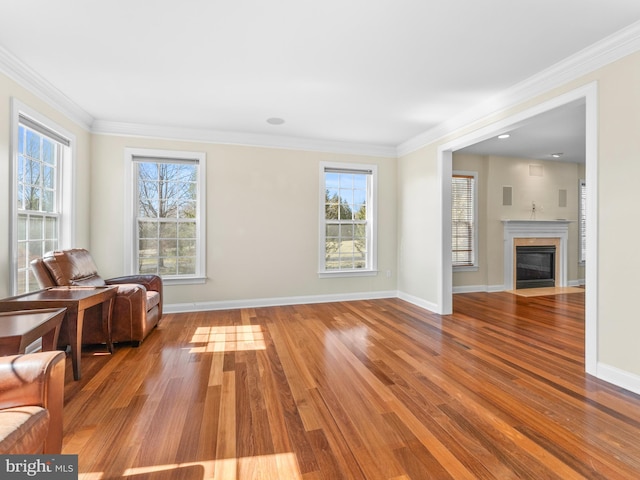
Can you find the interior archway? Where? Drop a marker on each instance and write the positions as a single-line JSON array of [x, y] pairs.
[[445, 158]]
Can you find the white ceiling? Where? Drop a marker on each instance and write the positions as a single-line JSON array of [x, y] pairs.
[[558, 131], [373, 72]]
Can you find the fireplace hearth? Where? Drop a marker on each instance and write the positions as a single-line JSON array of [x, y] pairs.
[[535, 266]]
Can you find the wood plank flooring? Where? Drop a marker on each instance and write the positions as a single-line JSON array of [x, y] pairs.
[[356, 390]]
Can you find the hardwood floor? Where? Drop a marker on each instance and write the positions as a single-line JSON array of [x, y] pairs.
[[357, 390]]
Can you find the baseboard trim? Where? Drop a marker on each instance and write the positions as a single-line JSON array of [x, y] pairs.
[[501, 288], [274, 302], [621, 378], [420, 302], [478, 288]]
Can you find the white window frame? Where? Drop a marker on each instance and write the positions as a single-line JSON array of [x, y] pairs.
[[474, 266], [131, 155], [372, 223], [65, 182]]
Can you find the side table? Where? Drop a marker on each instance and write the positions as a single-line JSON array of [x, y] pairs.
[[20, 329], [76, 299]]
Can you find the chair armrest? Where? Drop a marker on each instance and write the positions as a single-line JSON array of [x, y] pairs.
[[36, 379], [150, 282], [32, 379]]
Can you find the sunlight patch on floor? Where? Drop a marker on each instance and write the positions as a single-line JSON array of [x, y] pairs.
[[261, 467], [231, 338], [537, 292]]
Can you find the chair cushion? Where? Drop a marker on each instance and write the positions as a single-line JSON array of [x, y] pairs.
[[153, 299], [23, 430], [73, 267]]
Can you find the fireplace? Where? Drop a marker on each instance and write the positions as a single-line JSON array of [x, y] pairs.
[[536, 233], [535, 266]]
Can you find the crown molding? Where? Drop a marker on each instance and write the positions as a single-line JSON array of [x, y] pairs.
[[103, 127], [28, 78], [35, 83], [608, 50], [598, 55]]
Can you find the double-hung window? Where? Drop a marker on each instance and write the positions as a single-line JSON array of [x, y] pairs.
[[348, 219], [463, 220], [167, 212], [42, 188]]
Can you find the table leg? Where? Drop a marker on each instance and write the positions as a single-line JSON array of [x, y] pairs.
[[50, 339], [107, 312], [75, 320]]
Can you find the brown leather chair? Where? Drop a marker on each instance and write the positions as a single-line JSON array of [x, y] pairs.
[[138, 304], [31, 401]]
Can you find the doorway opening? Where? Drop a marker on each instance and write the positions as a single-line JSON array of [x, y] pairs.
[[587, 94]]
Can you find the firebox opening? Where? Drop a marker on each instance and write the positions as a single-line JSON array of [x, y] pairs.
[[535, 266]]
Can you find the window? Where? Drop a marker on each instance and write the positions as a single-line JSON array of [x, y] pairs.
[[41, 192], [463, 219], [582, 222], [167, 210], [348, 233]]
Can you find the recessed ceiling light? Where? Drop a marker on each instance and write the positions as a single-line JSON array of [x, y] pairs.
[[275, 121], [557, 155], [503, 136]]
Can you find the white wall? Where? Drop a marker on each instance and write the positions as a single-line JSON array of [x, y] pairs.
[[262, 222]]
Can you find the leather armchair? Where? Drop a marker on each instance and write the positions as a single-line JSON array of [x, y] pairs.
[[138, 304], [31, 401]]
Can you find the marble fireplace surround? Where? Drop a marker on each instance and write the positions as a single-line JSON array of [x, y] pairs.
[[535, 232]]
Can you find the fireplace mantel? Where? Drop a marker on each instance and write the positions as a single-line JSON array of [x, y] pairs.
[[539, 229], [536, 224]]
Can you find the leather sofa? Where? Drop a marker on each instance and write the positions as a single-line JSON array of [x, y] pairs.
[[31, 401], [137, 307]]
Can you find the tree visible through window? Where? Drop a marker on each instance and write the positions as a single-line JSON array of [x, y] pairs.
[[38, 198], [347, 219], [167, 217]]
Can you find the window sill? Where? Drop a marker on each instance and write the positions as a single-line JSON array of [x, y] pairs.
[[184, 280], [469, 268], [347, 273]]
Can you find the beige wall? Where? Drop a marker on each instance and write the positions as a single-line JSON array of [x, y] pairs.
[[262, 221], [262, 213], [8, 90], [494, 173], [618, 168], [419, 244]]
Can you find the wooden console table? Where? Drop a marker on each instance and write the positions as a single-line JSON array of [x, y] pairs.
[[76, 300], [20, 329]]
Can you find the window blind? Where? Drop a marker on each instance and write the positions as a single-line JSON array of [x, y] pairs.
[[462, 221], [150, 159], [42, 130], [364, 171], [582, 221]]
